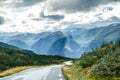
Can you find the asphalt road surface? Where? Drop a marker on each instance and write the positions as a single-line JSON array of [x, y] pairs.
[[44, 73]]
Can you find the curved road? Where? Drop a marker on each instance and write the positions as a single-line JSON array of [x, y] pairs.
[[44, 73]]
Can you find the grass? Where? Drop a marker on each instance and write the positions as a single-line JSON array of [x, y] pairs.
[[100, 64], [15, 70], [74, 73], [66, 71], [19, 58]]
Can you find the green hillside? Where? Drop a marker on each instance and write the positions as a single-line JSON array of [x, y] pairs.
[[10, 58], [100, 64], [3, 45]]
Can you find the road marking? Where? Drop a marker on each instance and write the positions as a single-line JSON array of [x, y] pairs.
[[61, 79], [60, 72], [60, 75]]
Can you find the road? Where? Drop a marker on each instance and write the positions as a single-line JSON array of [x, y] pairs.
[[44, 73]]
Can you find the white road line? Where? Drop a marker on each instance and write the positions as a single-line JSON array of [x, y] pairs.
[[60, 79], [60, 75], [60, 71]]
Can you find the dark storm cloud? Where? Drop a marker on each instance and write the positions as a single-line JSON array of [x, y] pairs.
[[28, 2], [2, 20], [19, 3], [52, 17], [76, 5]]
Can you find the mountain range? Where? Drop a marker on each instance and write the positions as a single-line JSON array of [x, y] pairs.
[[70, 43]]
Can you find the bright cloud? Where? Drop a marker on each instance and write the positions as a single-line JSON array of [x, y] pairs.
[[41, 15]]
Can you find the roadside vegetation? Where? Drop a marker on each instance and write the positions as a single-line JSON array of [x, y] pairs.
[[15, 60], [15, 70], [100, 64]]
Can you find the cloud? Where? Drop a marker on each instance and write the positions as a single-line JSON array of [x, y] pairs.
[[2, 20], [19, 3], [52, 17], [34, 18], [28, 2], [75, 5]]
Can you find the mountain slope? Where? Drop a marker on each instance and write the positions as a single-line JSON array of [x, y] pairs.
[[10, 58], [90, 39], [100, 64], [57, 47], [71, 48], [43, 44], [79, 40], [18, 43], [4, 45], [110, 32]]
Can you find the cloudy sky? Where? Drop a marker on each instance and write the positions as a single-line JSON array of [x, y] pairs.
[[49, 15]]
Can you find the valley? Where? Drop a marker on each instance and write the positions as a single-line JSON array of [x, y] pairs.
[[12, 57], [69, 43], [59, 39]]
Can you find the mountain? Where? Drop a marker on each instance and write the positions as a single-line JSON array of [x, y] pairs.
[[22, 40], [18, 43], [107, 34], [57, 44], [90, 39], [57, 47], [44, 43], [4, 45], [71, 48], [29, 38], [72, 44], [78, 40]]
